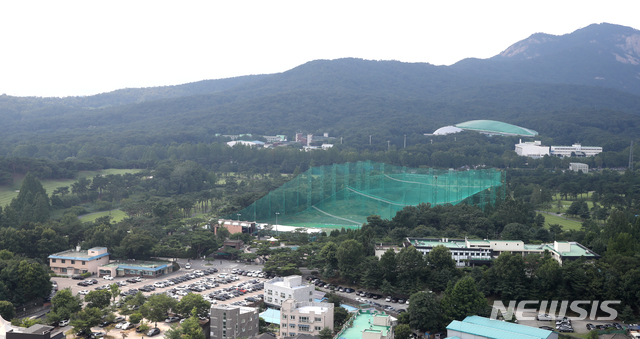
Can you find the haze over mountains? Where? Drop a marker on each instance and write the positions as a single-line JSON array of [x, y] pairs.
[[583, 86]]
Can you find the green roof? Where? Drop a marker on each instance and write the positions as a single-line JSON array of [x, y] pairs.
[[496, 127], [362, 321], [485, 327]]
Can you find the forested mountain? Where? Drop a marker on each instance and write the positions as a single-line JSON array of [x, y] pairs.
[[545, 82]]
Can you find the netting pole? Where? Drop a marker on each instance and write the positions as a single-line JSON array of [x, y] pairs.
[[309, 188], [367, 176], [333, 184], [358, 174], [346, 182], [322, 183], [269, 203], [382, 177], [298, 193]]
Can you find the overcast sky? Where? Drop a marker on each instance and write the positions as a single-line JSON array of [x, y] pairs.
[[65, 48]]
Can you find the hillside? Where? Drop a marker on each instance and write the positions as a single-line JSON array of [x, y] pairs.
[[542, 82]]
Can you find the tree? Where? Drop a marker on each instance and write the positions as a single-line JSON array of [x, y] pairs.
[[402, 331], [135, 318], [7, 311], [115, 290], [340, 316], [86, 319], [189, 329], [349, 255], [627, 315], [463, 300], [515, 231], [65, 304], [192, 301], [424, 312], [157, 307], [325, 333], [440, 258], [34, 280], [99, 299]]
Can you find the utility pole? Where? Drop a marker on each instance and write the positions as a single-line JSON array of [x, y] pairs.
[[405, 141], [369, 139], [388, 145]]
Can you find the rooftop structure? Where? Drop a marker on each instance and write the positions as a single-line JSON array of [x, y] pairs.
[[447, 130], [277, 290], [575, 150], [37, 331], [367, 325], [147, 269], [478, 327], [77, 261], [228, 322], [475, 252], [496, 128], [236, 226]]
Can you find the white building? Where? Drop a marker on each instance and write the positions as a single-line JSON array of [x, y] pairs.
[[575, 150], [277, 290], [578, 166], [254, 143], [532, 149], [304, 317]]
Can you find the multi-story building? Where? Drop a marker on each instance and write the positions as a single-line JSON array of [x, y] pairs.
[[578, 166], [468, 252], [277, 290], [303, 317], [533, 149], [576, 150], [229, 322], [78, 261], [236, 226]]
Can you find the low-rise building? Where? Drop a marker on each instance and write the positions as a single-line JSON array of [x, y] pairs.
[[532, 149], [277, 290], [304, 317], [368, 325], [79, 261], [579, 167], [236, 226], [132, 268], [475, 327], [37, 331], [469, 252], [229, 322], [575, 150]]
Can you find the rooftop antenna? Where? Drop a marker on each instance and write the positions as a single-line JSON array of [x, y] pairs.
[[631, 156]]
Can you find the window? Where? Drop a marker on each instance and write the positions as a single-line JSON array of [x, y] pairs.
[[310, 292], [242, 322], [73, 262], [304, 319], [282, 295], [284, 316], [318, 328], [318, 319], [293, 317], [303, 328], [53, 260], [84, 262], [292, 325], [269, 299], [63, 261]]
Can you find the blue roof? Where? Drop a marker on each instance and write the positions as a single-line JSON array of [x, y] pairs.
[[271, 316], [70, 257], [142, 268], [497, 329]]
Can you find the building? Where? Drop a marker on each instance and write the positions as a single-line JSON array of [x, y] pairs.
[[228, 322], [474, 327], [575, 150], [578, 166], [37, 331], [132, 268], [229, 244], [275, 138], [304, 317], [277, 290], [78, 261], [254, 143], [492, 127], [468, 252], [532, 149], [368, 325], [236, 226]]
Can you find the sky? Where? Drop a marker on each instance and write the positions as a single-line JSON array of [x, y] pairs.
[[73, 48]]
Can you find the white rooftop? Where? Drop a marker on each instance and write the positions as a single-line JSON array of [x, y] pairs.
[[309, 309]]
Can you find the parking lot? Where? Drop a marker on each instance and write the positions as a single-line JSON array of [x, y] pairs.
[[579, 326]]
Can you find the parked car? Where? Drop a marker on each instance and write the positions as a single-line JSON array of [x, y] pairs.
[[77, 277], [153, 331], [544, 317], [84, 292], [547, 328], [95, 335], [127, 325], [107, 277], [187, 266], [563, 328], [171, 320], [63, 323]]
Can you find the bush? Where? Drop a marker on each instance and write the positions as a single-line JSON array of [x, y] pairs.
[[86, 275], [135, 318]]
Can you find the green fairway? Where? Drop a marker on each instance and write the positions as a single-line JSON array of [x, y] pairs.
[[117, 216], [9, 192], [567, 224]]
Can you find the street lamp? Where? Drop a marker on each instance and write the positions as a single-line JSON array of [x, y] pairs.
[[277, 223]]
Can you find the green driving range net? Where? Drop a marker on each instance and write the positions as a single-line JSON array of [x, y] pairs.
[[346, 194]]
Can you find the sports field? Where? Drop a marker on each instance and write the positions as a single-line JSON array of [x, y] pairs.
[[567, 224], [9, 192]]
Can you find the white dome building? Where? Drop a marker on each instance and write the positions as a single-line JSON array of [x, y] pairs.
[[447, 130]]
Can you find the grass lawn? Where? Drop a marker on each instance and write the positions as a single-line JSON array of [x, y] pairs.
[[567, 224], [9, 192], [117, 216]]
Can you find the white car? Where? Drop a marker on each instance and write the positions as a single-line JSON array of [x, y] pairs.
[[64, 323], [126, 325], [84, 292], [107, 277], [119, 325], [544, 317], [187, 266], [158, 285]]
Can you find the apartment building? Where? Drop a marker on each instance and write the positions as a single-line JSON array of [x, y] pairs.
[[303, 317], [229, 322], [279, 289]]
